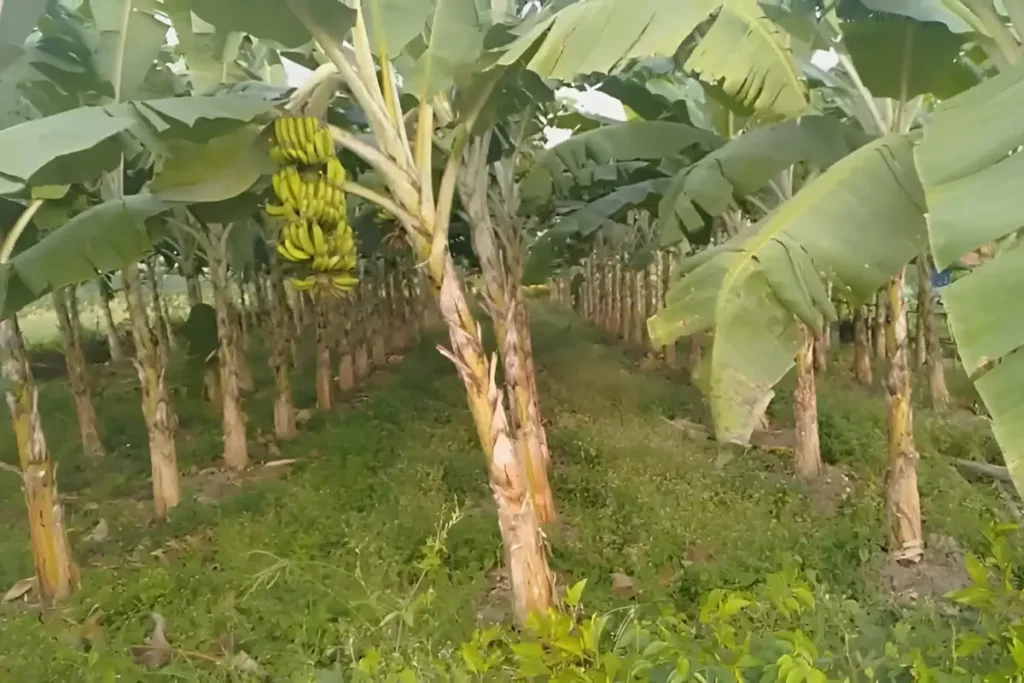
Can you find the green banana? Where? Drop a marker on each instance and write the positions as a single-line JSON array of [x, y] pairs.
[[290, 252], [344, 281], [319, 243], [304, 283], [302, 232], [311, 126], [287, 132]]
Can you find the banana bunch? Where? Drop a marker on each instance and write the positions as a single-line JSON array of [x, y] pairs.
[[336, 285], [304, 240], [319, 199], [310, 184], [301, 141]]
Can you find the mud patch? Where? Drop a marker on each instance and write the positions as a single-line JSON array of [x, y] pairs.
[[211, 485], [941, 571], [829, 491]]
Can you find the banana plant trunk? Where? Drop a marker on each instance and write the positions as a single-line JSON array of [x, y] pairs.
[[906, 543], [284, 408], [630, 304], [931, 343], [805, 409], [78, 378], [399, 321], [236, 447], [878, 332], [193, 289], [346, 356], [56, 574], [324, 394], [240, 333], [378, 316], [156, 403], [664, 282], [924, 292], [499, 249], [695, 353], [113, 340], [522, 538], [163, 326], [360, 328], [861, 347], [821, 349]]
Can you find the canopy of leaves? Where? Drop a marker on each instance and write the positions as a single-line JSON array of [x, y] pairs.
[[748, 163], [858, 223], [971, 166], [101, 239], [743, 52], [571, 160], [878, 50]]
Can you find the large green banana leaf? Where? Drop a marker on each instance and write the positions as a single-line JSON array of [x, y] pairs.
[[744, 52], [593, 215], [971, 169], [81, 144], [66, 148], [99, 240], [740, 167], [747, 163], [274, 19], [953, 13], [617, 143], [857, 223]]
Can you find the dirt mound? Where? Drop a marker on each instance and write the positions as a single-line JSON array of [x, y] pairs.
[[941, 571]]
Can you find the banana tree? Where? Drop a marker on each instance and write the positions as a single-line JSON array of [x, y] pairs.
[[56, 574], [113, 234], [499, 242], [434, 40]]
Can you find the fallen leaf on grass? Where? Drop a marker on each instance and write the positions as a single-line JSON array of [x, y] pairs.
[[156, 653], [20, 590], [623, 586], [99, 532], [280, 463]]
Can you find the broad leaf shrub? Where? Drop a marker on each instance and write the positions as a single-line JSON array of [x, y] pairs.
[[785, 629]]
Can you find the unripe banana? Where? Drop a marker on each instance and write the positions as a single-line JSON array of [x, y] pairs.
[[305, 240], [291, 252], [319, 244], [304, 283], [276, 210], [344, 281], [287, 132], [312, 127]]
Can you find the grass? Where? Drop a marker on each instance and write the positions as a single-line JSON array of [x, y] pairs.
[[302, 569]]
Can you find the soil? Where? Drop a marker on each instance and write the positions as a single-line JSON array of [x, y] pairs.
[[829, 491], [941, 571]]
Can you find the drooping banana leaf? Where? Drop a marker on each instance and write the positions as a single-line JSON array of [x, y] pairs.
[[744, 52], [617, 143], [971, 169], [101, 239], [740, 167], [857, 223], [747, 163]]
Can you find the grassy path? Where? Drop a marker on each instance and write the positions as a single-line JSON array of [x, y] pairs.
[[302, 563]]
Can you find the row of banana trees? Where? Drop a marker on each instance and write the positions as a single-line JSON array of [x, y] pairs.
[[836, 201], [795, 178]]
